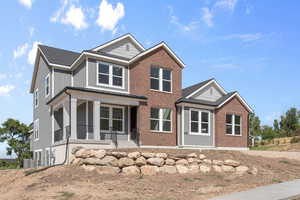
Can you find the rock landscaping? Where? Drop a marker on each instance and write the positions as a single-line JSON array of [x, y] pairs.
[[146, 163]]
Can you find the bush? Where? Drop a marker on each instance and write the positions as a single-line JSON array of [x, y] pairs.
[[8, 165], [295, 140]]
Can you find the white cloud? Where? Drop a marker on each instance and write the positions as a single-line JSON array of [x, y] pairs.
[[75, 17], [32, 53], [26, 3], [21, 50], [226, 4], [108, 16], [5, 90], [185, 28], [55, 18], [244, 37], [207, 17]]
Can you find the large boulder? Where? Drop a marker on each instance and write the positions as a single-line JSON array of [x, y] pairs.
[[167, 169], [76, 161], [148, 155], [253, 171], [134, 155], [204, 168], [194, 169], [207, 161], [232, 163], [240, 170], [107, 170], [182, 169], [193, 160], [156, 161], [227, 168], [84, 153], [161, 155], [119, 154], [92, 161], [140, 161], [149, 170], [110, 160], [192, 155], [170, 161], [75, 149], [99, 153], [217, 162], [217, 168], [125, 162], [182, 162], [202, 156], [131, 170]]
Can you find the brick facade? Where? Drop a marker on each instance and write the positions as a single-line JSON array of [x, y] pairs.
[[234, 106], [140, 85]]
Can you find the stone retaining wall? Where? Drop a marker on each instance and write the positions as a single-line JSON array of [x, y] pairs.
[[146, 163]]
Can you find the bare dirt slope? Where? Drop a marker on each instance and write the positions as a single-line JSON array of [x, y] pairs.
[[70, 182]]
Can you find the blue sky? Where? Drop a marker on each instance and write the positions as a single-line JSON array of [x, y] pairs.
[[249, 46]]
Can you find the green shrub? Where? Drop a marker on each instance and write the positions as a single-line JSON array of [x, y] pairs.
[[295, 140]]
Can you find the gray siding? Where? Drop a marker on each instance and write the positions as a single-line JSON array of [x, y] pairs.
[[61, 80], [209, 93], [119, 49], [42, 112], [199, 140], [79, 75], [93, 77]]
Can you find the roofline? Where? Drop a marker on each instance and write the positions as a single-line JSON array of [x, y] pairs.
[[242, 100], [208, 83], [161, 44], [127, 35], [93, 91]]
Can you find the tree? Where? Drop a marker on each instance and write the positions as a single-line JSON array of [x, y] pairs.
[[267, 133], [254, 124], [290, 122], [16, 135], [276, 128]]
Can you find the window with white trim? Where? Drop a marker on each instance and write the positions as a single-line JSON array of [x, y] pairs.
[[111, 75], [36, 98], [160, 79], [233, 124], [199, 122], [161, 120], [36, 131], [112, 117], [38, 157], [47, 85]]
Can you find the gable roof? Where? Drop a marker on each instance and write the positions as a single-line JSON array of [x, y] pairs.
[[58, 56], [188, 90], [163, 45], [126, 36]]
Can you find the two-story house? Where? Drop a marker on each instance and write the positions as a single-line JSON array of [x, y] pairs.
[[120, 93]]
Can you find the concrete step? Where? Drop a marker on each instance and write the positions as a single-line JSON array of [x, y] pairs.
[[126, 144]]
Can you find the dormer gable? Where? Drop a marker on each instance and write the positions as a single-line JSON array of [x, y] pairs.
[[125, 46], [209, 93]]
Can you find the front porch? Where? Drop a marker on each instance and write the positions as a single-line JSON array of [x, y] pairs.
[[90, 117]]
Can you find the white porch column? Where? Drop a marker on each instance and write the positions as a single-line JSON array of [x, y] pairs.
[[66, 118], [73, 118], [96, 119]]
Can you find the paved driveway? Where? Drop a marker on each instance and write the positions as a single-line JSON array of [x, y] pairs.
[[275, 154]]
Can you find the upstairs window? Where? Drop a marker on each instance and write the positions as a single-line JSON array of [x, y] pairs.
[[199, 122], [36, 131], [160, 79], [36, 98], [160, 120], [110, 75], [233, 125], [47, 85]]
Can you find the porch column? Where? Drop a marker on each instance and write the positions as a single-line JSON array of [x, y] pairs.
[[96, 119], [66, 118], [73, 118]]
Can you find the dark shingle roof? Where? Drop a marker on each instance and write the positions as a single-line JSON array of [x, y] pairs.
[[59, 56], [189, 90], [209, 103]]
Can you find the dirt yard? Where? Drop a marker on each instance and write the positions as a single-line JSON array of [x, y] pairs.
[[282, 147], [72, 183]]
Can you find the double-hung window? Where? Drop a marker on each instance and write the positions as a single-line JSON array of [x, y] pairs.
[[160, 79], [38, 157], [233, 124], [161, 120], [110, 75], [112, 117], [199, 122], [47, 85], [36, 98], [36, 130]]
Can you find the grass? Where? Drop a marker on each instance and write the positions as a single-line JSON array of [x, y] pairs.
[[274, 180], [261, 148], [192, 179], [66, 195]]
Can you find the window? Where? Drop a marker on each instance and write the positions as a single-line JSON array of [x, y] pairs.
[[112, 117], [199, 122], [38, 157], [36, 98], [47, 157], [36, 130], [160, 79], [47, 85], [233, 124], [111, 75], [160, 120]]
